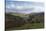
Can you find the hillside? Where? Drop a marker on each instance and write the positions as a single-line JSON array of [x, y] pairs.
[[24, 21]]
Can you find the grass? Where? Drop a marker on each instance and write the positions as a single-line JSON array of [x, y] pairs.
[[21, 15], [29, 26]]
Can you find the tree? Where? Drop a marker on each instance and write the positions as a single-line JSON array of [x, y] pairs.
[[30, 18]]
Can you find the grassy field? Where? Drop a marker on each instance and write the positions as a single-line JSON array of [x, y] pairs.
[[21, 15], [37, 22], [29, 26]]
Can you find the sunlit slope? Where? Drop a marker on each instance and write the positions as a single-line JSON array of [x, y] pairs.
[[21, 15]]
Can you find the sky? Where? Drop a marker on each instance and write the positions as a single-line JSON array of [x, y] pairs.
[[28, 0], [24, 6]]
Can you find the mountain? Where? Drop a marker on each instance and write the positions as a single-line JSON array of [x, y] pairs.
[[37, 14]]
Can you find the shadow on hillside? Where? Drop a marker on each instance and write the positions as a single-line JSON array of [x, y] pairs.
[[18, 22]]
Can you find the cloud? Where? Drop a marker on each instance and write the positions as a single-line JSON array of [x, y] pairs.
[[25, 7]]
